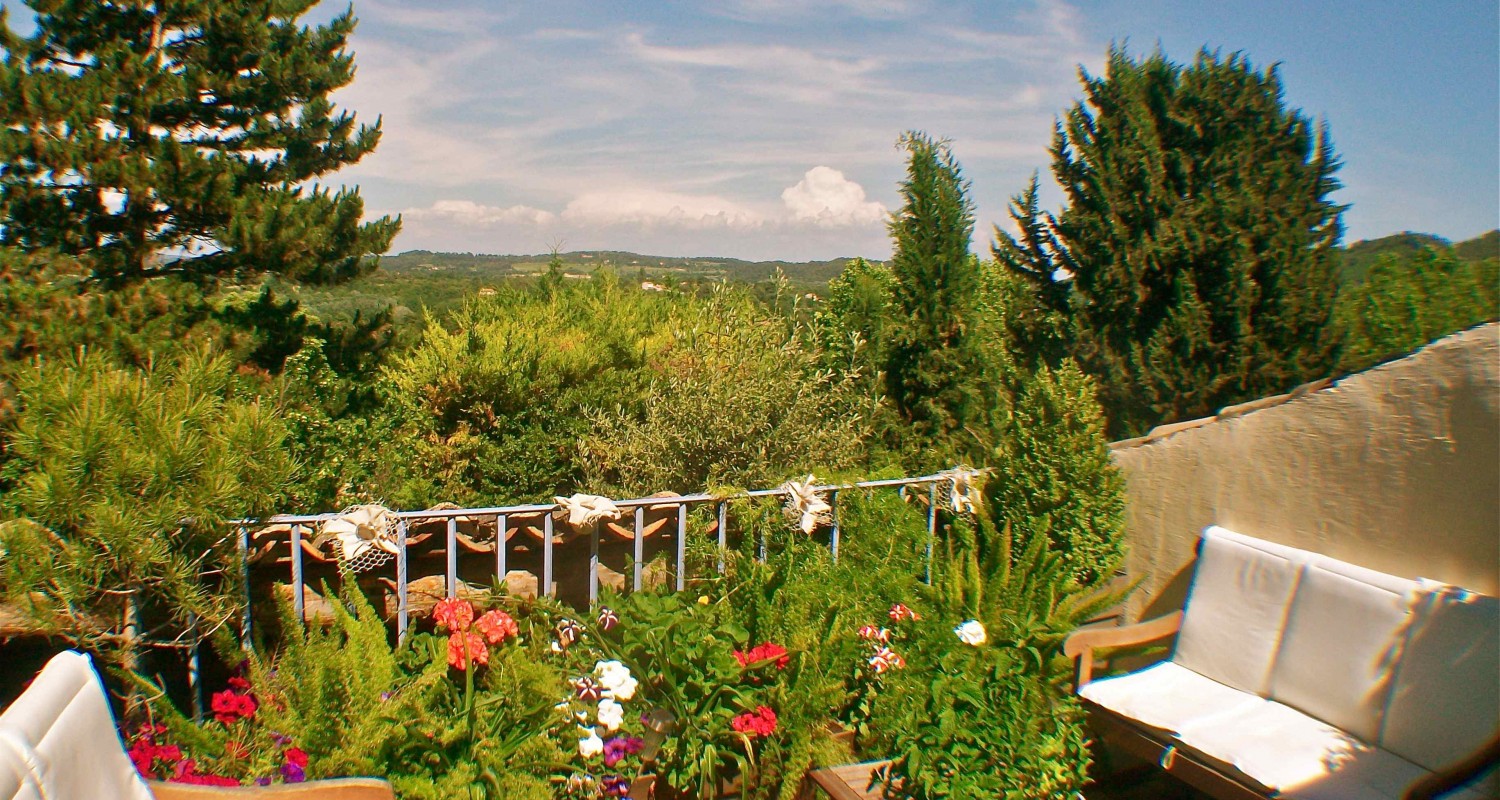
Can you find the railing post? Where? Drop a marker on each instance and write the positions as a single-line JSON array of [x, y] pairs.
[[401, 609], [502, 525], [297, 585], [547, 555], [681, 545], [833, 540], [931, 528], [723, 537], [247, 620], [452, 553], [640, 547], [195, 670], [594, 564]]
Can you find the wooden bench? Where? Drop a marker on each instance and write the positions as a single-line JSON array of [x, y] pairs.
[[1299, 676]]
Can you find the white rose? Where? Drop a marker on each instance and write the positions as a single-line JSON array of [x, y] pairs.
[[591, 745], [611, 714], [972, 633]]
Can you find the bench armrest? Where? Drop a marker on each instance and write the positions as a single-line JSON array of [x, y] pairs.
[[1081, 645], [1457, 774], [333, 789]]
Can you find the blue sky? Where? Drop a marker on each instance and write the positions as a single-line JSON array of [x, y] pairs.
[[767, 128]]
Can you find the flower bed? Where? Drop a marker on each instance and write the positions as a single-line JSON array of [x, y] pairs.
[[742, 683]]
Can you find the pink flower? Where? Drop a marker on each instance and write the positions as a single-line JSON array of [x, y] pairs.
[[496, 626], [886, 659], [477, 652], [455, 615], [900, 612], [875, 634]]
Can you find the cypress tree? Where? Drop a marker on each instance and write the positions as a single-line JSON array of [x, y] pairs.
[[183, 136], [934, 364], [1195, 251]]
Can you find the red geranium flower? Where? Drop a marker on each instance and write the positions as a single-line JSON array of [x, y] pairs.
[[496, 625], [478, 653], [455, 615], [295, 755], [764, 652], [761, 722]]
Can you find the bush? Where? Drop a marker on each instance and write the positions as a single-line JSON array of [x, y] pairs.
[[734, 399], [119, 484], [1052, 477]]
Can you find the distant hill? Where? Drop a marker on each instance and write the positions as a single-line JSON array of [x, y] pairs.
[[1480, 247], [626, 264], [1360, 256]]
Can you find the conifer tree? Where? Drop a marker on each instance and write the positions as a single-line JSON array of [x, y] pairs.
[[1195, 249], [934, 365], [183, 136]]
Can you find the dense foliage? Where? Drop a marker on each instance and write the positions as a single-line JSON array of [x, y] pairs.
[[1404, 302], [1195, 252], [160, 376], [189, 126], [935, 370]]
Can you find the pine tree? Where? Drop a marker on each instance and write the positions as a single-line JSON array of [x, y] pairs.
[[1195, 249], [935, 368], [183, 136]]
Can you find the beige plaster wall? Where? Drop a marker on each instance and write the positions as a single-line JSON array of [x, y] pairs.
[[1396, 469]]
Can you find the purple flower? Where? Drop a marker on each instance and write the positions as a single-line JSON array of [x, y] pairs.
[[281, 740], [614, 785], [262, 781], [620, 746], [293, 773]]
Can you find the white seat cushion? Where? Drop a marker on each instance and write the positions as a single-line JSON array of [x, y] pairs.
[[1276, 745], [1446, 698], [63, 731], [1342, 641], [1236, 609], [1166, 696]]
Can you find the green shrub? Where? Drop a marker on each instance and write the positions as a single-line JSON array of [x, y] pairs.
[[733, 399]]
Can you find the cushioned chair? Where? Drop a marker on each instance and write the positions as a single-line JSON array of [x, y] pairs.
[[58, 742], [1296, 675]]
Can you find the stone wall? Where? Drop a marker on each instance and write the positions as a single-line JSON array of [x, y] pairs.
[[1396, 469]]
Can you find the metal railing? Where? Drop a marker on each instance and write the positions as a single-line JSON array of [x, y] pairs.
[[502, 515]]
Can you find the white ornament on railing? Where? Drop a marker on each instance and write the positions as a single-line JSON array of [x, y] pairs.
[[962, 492], [364, 536], [806, 506], [586, 510]]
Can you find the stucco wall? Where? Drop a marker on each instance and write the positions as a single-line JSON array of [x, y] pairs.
[[1396, 469]]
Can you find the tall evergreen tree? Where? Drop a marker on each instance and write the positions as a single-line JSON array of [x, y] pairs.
[[934, 366], [1195, 249], [183, 136]]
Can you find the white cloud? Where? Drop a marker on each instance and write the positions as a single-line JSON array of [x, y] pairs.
[[475, 215], [654, 208], [826, 198]]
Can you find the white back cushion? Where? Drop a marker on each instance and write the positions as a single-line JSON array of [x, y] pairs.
[[62, 729], [1446, 698], [1343, 638], [1236, 608]]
